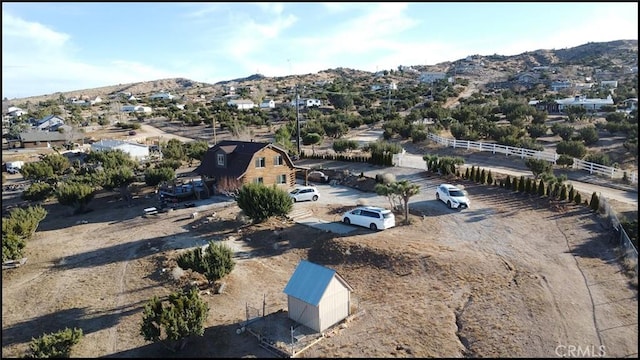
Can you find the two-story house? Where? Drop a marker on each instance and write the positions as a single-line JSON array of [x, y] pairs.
[[232, 163]]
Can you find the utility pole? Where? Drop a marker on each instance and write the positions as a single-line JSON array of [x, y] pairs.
[[298, 120], [389, 85], [213, 126]]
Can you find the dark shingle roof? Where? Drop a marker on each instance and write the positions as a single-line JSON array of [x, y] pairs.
[[239, 155]]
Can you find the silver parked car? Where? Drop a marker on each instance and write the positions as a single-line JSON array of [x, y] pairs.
[[304, 193]]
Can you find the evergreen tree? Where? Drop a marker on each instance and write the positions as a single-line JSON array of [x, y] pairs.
[[594, 204], [563, 192], [489, 178], [542, 188], [507, 183], [578, 198]]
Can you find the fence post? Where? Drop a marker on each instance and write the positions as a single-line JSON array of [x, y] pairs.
[[590, 168], [521, 153], [493, 150]]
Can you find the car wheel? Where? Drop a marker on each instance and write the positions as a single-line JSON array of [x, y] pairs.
[[373, 227], [346, 221], [315, 197], [437, 196], [449, 205], [294, 200]]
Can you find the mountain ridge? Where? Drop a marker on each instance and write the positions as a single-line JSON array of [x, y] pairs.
[[605, 54]]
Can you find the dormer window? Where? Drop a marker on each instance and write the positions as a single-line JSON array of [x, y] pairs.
[[220, 159]]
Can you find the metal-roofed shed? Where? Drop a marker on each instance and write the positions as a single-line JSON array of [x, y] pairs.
[[317, 297]]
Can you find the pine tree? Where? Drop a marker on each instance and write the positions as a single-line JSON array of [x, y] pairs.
[[572, 193], [466, 174], [483, 177], [563, 192], [521, 184], [534, 187], [594, 204], [472, 176], [578, 198], [542, 188], [507, 182], [489, 178], [514, 184], [527, 186]]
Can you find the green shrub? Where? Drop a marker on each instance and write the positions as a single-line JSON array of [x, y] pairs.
[[507, 182], [38, 191], [527, 186], [572, 148], [489, 178], [260, 202], [564, 160], [483, 177], [578, 198], [467, 173], [170, 163], [311, 139], [54, 345], [154, 176]]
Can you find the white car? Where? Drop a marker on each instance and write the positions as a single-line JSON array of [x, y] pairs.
[[375, 218], [304, 193], [454, 197]]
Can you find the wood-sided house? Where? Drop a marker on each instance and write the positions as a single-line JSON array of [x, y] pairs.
[[230, 164]]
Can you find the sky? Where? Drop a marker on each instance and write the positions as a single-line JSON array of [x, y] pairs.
[[60, 47]]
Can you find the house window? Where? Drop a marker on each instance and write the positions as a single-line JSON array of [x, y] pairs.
[[277, 160], [260, 162], [220, 159], [282, 179], [259, 180]]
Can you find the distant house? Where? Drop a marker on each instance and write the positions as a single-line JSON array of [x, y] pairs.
[[306, 103], [136, 108], [558, 106], [267, 104], [431, 77], [242, 104], [317, 297], [560, 85], [528, 78], [244, 162], [14, 111], [161, 96], [135, 151], [49, 123], [584, 102], [611, 84], [42, 139]]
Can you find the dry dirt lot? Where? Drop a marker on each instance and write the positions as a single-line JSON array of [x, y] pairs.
[[511, 277]]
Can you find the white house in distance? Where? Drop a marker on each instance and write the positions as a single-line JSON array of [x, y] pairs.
[[431, 77], [242, 104], [161, 96], [582, 101], [15, 111], [135, 151], [136, 108], [307, 102], [317, 297], [267, 104]]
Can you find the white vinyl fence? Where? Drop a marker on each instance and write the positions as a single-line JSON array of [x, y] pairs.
[[611, 172]]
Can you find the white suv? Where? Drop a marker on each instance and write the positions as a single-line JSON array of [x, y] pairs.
[[454, 197], [375, 218], [304, 193]]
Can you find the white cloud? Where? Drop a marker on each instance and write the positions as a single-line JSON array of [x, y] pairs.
[[37, 60]]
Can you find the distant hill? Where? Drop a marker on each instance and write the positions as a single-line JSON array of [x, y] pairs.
[[481, 68]]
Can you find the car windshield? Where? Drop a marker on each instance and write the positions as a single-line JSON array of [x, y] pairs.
[[456, 193], [295, 191]]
